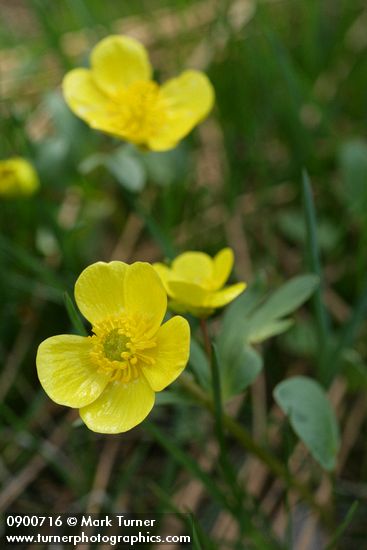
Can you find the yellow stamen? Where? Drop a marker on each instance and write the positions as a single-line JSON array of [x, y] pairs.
[[139, 111], [118, 346]]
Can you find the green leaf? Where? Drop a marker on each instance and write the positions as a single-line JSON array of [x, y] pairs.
[[311, 416], [64, 121], [235, 321], [247, 323], [301, 339], [266, 320], [200, 365], [124, 163], [286, 299], [92, 162], [240, 367], [240, 363], [261, 333], [166, 167], [241, 308], [126, 168], [52, 154]]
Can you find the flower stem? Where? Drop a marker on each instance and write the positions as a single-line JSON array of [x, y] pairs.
[[205, 333], [245, 439]]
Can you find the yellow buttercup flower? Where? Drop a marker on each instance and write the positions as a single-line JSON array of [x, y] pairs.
[[195, 282], [17, 177], [118, 96], [112, 376]]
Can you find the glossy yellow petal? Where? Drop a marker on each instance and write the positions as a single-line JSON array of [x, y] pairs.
[[223, 264], [225, 296], [188, 100], [164, 272], [200, 312], [119, 61], [145, 295], [192, 92], [187, 293], [99, 291], [120, 407], [66, 371], [193, 267], [170, 355], [86, 100]]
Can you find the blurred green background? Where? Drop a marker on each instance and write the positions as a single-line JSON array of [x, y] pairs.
[[290, 80]]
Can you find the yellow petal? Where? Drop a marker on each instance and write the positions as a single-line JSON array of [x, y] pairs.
[[200, 312], [145, 295], [66, 371], [120, 407], [187, 293], [193, 267], [170, 355], [118, 61], [164, 272], [86, 100], [17, 177], [191, 91], [226, 295], [99, 291], [223, 264], [188, 99]]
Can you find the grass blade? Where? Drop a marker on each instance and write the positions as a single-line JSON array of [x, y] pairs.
[[344, 525], [315, 266], [74, 316]]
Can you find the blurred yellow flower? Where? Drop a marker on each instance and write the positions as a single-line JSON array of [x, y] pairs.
[[17, 177], [118, 96], [195, 282], [113, 375]]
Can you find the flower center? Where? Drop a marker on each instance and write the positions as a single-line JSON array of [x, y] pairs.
[[140, 111], [114, 345], [121, 348]]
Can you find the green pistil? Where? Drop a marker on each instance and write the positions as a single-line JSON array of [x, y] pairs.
[[114, 345]]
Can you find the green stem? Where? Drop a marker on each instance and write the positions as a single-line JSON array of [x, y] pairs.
[[224, 459], [206, 339], [248, 443]]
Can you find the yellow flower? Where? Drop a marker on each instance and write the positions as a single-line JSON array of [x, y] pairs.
[[112, 376], [195, 282], [118, 96], [17, 178]]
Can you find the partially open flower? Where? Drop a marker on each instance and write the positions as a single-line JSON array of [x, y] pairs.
[[17, 178], [195, 282], [117, 95], [113, 375]]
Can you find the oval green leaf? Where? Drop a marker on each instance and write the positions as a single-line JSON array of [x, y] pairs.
[[311, 416]]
